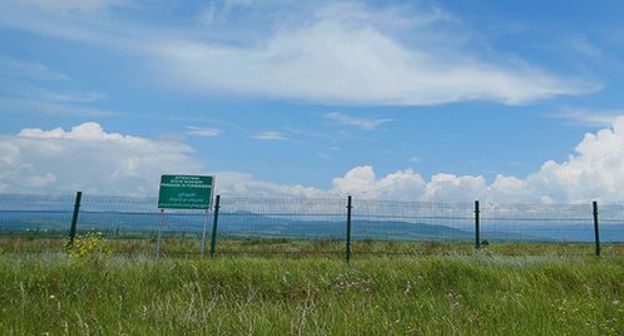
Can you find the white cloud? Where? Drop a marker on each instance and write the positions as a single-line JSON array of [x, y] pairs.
[[91, 159], [10, 105], [22, 91], [79, 6], [587, 117], [585, 47], [270, 135], [74, 97], [339, 61], [595, 172], [361, 181], [11, 68], [242, 184], [363, 123], [204, 132], [415, 159], [345, 53]]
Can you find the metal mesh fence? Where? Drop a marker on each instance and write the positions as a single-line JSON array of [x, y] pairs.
[[47, 215], [611, 217], [282, 218], [279, 225], [137, 216], [388, 220], [537, 223], [391, 227], [258, 221]]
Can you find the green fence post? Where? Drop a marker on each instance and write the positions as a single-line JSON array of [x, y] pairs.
[[213, 238], [596, 230], [74, 222], [349, 207], [204, 233], [161, 222], [477, 229]]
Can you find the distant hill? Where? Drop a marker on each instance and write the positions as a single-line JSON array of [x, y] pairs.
[[247, 224]]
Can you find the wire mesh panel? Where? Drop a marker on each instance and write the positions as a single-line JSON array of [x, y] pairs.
[[266, 225], [36, 214], [611, 218], [533, 226], [136, 216], [421, 226], [129, 220], [300, 226], [537, 222]]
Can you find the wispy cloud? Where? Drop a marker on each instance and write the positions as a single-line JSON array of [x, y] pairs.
[[12, 68], [75, 6], [74, 97], [208, 132], [26, 88], [270, 135], [9, 105], [363, 123], [295, 131], [588, 117], [365, 58], [415, 159], [584, 46]]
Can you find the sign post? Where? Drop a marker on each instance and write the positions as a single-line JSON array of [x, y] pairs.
[[184, 192], [203, 242], [161, 220]]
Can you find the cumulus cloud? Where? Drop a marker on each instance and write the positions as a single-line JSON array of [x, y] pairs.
[[594, 172], [91, 159]]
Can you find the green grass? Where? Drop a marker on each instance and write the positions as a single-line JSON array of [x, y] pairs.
[[179, 247], [275, 287], [435, 295]]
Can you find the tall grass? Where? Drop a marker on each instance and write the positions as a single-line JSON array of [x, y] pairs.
[[190, 247], [435, 295]]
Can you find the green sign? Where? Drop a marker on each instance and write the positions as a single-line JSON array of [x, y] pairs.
[[185, 192]]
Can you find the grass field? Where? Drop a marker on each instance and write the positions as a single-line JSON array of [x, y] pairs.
[[231, 296], [46, 291], [181, 247]]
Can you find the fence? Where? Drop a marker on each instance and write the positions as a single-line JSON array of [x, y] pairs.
[[326, 226]]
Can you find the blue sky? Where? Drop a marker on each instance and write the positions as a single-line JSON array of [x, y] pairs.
[[300, 93]]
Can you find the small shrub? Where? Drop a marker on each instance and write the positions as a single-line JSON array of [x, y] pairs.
[[92, 244]]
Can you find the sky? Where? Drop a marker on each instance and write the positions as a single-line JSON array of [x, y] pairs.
[[514, 101]]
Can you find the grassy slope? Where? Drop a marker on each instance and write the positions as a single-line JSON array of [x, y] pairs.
[[432, 295]]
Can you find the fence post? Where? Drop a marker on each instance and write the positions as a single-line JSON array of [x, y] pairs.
[[213, 238], [477, 229], [349, 207], [203, 237], [161, 221], [74, 222], [596, 230]]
